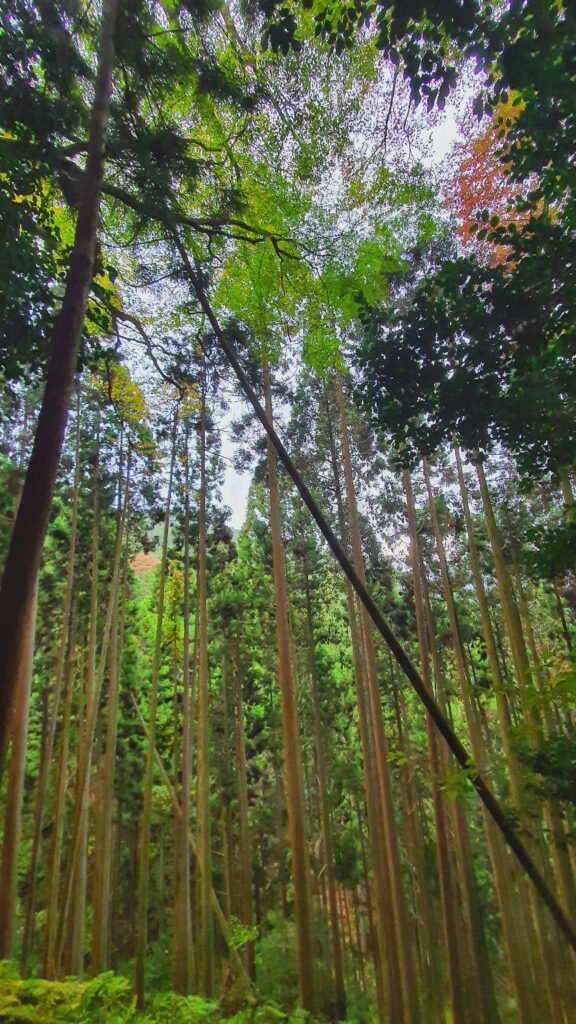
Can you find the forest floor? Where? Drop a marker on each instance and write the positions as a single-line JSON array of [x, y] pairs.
[[109, 999]]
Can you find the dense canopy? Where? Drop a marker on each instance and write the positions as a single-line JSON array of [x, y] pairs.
[[287, 520]]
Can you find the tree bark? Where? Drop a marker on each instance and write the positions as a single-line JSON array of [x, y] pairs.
[[143, 868], [183, 947], [291, 741], [205, 937], [339, 988], [25, 549], [242, 777], [400, 955], [15, 789], [102, 883]]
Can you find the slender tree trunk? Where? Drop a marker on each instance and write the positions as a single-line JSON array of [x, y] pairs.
[[247, 917], [509, 608], [55, 857], [205, 938], [102, 883], [459, 1002], [291, 741], [25, 549], [379, 917], [75, 923], [339, 988], [484, 1001], [400, 955], [143, 868], [183, 949]]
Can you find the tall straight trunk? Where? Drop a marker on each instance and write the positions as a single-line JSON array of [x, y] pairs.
[[379, 918], [510, 611], [102, 878], [339, 988], [15, 790], [48, 747], [431, 970], [484, 1000], [205, 938], [291, 740], [143, 857], [75, 923], [183, 947], [458, 995], [488, 634], [73, 919], [49, 966], [247, 913], [25, 548], [400, 954]]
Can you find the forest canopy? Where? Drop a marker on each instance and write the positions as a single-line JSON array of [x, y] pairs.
[[287, 515]]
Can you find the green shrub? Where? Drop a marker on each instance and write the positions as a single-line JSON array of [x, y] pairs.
[[276, 969]]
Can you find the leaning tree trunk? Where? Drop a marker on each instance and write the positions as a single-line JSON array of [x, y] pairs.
[[25, 549]]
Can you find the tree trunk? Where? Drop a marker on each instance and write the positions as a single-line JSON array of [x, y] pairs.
[[484, 1001], [102, 884], [247, 917], [205, 938], [447, 890], [25, 549], [339, 989], [143, 868], [291, 741], [183, 948], [400, 955], [55, 856], [379, 927], [15, 789]]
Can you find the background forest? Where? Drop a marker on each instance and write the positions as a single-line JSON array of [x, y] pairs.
[[237, 781]]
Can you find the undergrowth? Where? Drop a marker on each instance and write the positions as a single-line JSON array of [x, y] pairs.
[[109, 999]]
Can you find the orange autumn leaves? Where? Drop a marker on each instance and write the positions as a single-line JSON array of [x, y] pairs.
[[481, 182]]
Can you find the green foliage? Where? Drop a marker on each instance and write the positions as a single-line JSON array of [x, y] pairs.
[[105, 999], [554, 763], [276, 962]]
